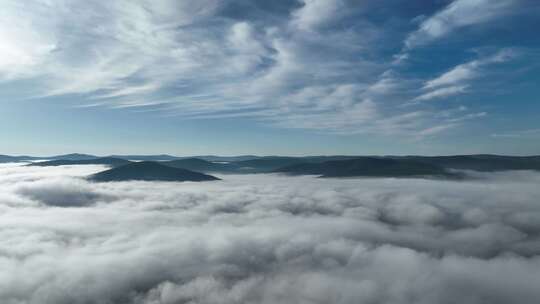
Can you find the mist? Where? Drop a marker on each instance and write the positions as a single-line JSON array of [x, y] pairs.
[[267, 239]]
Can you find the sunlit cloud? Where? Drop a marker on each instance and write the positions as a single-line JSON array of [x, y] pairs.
[[266, 238]]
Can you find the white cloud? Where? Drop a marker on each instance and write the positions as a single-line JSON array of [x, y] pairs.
[[267, 239], [518, 134], [315, 13], [468, 117], [99, 50], [25, 42], [458, 74], [442, 92], [457, 14], [130, 54], [456, 80], [469, 70], [177, 58], [435, 130]]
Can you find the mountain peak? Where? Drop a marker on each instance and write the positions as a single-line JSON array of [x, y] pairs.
[[150, 171]]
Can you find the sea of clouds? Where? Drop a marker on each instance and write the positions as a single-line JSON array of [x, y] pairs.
[[267, 239]]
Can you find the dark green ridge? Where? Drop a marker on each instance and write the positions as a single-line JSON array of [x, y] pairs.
[[369, 167], [149, 171]]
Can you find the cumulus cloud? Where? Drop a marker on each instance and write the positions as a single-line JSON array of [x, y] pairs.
[[267, 239]]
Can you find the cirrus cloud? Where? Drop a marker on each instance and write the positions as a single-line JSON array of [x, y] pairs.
[[295, 64]]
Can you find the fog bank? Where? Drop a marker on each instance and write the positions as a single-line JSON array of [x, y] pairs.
[[267, 239]]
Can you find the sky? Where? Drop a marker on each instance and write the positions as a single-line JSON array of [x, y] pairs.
[[289, 77]]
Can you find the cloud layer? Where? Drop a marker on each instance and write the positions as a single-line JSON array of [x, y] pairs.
[[267, 239], [309, 64]]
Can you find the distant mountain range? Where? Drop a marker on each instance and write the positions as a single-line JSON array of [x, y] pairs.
[[326, 166], [480, 162], [214, 158], [202, 165], [108, 161], [158, 157], [25, 158], [13, 159], [149, 171], [369, 167]]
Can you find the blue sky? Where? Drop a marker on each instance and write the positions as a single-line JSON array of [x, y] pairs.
[[270, 77]]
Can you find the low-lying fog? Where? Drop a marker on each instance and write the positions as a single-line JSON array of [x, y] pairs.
[[267, 239]]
